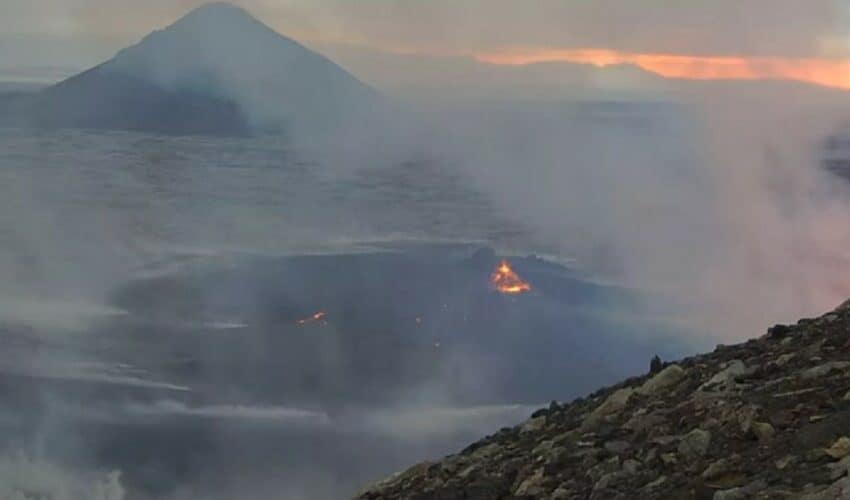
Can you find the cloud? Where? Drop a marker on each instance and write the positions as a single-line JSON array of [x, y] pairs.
[[720, 27], [727, 27]]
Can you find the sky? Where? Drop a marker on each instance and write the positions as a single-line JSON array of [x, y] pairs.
[[803, 40]]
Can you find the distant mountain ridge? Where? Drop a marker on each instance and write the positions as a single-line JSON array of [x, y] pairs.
[[216, 71]]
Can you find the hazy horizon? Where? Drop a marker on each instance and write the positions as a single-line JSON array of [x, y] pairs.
[[51, 40]]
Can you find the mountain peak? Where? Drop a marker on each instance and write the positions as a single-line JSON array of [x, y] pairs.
[[218, 8], [216, 15], [218, 69]]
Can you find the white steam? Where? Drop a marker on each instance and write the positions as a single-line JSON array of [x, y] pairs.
[[25, 478], [712, 199]]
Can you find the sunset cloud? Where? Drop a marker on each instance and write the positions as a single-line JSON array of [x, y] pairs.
[[821, 71], [718, 39]]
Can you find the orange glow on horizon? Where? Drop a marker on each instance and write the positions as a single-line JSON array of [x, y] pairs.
[[826, 72]]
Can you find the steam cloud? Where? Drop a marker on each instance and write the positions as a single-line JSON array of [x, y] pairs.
[[24, 478], [711, 198]]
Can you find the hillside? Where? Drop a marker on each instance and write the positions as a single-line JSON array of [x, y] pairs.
[[216, 71], [769, 418]]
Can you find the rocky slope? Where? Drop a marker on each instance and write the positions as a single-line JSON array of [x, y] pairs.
[[769, 418]]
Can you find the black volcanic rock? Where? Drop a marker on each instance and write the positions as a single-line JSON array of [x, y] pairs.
[[216, 71], [103, 99], [395, 321], [769, 418]]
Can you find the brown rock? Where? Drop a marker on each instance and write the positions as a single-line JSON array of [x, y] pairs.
[[746, 417], [617, 447], [824, 369], [631, 466], [596, 473], [717, 469], [785, 359], [783, 418], [645, 422], [663, 380], [741, 493], [610, 480], [533, 425], [784, 462], [839, 469], [669, 458], [839, 449], [562, 493], [695, 444], [532, 485], [764, 432], [656, 483], [725, 379], [840, 490], [614, 404]]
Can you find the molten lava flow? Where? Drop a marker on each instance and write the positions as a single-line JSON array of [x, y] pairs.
[[505, 280], [319, 316]]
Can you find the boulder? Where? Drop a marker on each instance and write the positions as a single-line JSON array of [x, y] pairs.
[[665, 379], [695, 444], [839, 449]]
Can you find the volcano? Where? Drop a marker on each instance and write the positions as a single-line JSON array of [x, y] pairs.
[[216, 71]]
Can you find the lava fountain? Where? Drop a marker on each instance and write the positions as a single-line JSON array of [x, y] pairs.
[[319, 317], [505, 280]]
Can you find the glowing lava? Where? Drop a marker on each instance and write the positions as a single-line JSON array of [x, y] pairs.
[[506, 281], [318, 317]]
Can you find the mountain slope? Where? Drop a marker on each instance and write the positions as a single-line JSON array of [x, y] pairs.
[[769, 418], [100, 99], [215, 71]]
